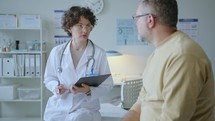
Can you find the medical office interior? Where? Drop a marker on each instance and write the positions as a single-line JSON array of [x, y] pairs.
[[115, 31]]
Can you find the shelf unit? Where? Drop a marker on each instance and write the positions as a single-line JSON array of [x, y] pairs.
[[18, 108]]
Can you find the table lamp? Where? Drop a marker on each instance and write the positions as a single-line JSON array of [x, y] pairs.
[[113, 53]]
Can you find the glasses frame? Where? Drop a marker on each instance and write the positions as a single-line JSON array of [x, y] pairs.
[[142, 15], [138, 16], [80, 26]]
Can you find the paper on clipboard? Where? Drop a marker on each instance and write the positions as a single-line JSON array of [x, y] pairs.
[[94, 81]]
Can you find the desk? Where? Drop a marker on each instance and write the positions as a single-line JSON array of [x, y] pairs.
[[117, 82], [110, 112]]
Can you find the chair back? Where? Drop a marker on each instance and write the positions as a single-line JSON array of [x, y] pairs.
[[129, 92]]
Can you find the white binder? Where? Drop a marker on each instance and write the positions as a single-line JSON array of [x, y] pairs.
[[19, 65], [21, 62], [37, 59], [27, 65], [16, 73], [32, 65], [0, 67], [8, 67]]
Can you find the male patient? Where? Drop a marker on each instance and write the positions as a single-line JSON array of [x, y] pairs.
[[178, 82]]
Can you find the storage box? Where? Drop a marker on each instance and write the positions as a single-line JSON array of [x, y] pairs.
[[8, 21], [8, 92], [29, 93], [29, 21]]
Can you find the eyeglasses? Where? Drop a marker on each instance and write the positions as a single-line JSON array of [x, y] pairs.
[[138, 16], [88, 27]]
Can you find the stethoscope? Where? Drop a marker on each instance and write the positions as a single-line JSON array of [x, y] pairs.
[[90, 58]]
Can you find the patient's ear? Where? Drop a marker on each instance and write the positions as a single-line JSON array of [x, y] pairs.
[[151, 20]]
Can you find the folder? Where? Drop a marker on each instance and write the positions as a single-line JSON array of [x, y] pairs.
[[27, 65], [21, 63], [0, 67], [16, 73], [8, 67], [32, 65], [37, 59], [94, 81], [18, 65]]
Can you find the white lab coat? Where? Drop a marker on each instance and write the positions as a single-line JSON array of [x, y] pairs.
[[70, 107]]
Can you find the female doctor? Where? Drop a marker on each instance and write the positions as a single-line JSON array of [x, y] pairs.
[[69, 62]]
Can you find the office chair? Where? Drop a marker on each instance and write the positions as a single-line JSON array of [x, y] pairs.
[[129, 92]]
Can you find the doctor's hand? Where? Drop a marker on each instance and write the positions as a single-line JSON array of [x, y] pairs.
[[60, 89], [83, 89]]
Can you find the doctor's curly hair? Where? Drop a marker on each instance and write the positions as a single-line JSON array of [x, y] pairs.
[[72, 17]]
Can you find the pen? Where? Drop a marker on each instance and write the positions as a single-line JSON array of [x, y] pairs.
[[58, 90], [91, 71], [58, 83]]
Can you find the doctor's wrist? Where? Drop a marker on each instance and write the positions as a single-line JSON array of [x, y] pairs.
[[88, 93]]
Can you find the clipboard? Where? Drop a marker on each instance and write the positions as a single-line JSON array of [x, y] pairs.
[[94, 81]]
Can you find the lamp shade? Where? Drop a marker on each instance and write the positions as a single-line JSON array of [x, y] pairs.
[[113, 53]]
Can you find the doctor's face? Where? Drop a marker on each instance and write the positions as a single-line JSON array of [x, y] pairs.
[[81, 30]]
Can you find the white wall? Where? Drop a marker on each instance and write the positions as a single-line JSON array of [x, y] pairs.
[[203, 10], [104, 34]]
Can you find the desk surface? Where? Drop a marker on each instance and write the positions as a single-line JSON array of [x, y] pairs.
[[110, 110]]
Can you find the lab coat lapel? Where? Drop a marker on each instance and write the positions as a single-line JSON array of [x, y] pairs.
[[68, 58], [68, 66], [87, 53]]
